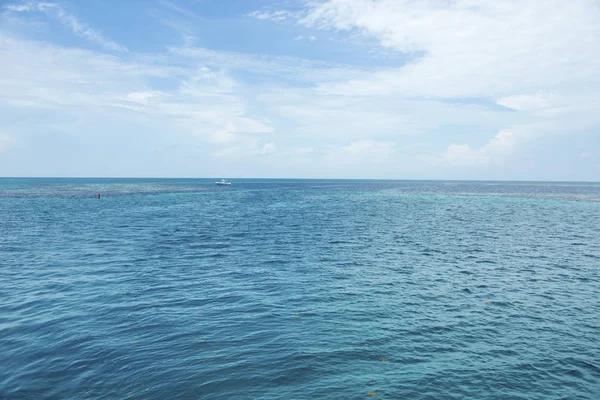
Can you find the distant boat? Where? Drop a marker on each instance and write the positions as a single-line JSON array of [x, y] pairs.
[[223, 182]]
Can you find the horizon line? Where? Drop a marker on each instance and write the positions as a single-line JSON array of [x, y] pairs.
[[332, 179]]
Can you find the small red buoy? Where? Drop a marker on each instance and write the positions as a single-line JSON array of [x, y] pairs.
[[98, 195]]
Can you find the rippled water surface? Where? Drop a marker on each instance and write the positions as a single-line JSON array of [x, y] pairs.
[[165, 289]]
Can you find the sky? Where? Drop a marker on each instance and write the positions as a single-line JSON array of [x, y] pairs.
[[382, 89]]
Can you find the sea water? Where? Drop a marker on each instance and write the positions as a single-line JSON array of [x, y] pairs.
[[299, 289]]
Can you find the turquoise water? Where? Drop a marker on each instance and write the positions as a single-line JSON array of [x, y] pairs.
[[165, 289]]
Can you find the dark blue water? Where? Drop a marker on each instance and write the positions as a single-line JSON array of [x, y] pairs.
[[166, 289]]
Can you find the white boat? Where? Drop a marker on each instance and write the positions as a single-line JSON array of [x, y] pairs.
[[223, 182]]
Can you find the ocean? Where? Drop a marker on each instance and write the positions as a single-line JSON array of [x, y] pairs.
[[299, 289]]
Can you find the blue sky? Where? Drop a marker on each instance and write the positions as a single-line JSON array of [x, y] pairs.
[[323, 89]]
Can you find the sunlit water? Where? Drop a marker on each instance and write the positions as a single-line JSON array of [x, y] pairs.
[[165, 289]]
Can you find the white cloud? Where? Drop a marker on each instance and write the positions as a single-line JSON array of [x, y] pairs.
[[19, 7], [222, 137], [178, 9], [309, 38], [277, 67], [498, 147], [78, 84], [535, 57], [31, 6], [462, 48], [245, 147], [267, 149], [143, 97], [279, 15], [69, 20], [368, 150], [462, 154], [311, 114], [462, 61], [525, 102]]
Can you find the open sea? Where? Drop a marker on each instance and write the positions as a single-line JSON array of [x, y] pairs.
[[299, 289]]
